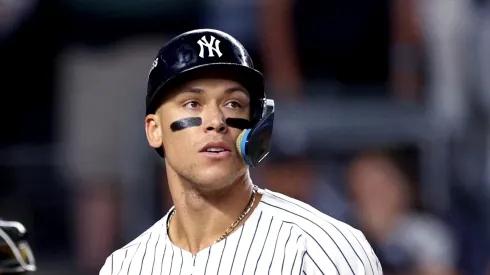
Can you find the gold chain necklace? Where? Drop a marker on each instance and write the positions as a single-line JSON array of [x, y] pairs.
[[235, 223]]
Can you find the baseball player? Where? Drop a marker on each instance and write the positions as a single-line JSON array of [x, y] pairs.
[[16, 256], [207, 115]]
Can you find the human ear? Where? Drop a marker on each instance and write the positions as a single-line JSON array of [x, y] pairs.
[[153, 130]]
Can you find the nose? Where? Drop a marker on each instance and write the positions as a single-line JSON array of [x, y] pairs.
[[215, 120]]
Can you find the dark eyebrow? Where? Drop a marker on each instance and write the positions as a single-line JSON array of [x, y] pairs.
[[194, 90]]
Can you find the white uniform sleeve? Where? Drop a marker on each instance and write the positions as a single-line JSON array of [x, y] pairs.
[[356, 258], [106, 268], [373, 259]]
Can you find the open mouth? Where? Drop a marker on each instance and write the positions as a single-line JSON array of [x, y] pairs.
[[216, 150]]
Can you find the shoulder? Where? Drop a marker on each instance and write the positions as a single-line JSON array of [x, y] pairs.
[[117, 258], [305, 217], [329, 244]]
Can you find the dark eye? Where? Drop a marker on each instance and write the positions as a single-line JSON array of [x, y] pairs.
[[233, 105], [192, 104]]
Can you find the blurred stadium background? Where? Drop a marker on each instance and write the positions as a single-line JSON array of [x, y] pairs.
[[383, 120]]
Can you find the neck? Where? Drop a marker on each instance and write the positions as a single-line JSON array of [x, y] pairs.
[[202, 217]]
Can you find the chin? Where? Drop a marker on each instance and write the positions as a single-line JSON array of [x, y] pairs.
[[218, 177]]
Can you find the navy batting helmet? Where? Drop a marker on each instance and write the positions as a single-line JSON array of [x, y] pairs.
[[197, 51]]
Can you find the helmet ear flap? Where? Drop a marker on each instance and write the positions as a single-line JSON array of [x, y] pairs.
[[257, 110], [254, 144]]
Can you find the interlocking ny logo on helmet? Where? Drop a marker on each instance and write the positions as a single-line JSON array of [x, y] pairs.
[[203, 42]]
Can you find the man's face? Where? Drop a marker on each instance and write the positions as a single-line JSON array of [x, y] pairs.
[[188, 150]]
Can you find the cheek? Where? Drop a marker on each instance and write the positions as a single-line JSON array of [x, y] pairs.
[[234, 132], [177, 142]]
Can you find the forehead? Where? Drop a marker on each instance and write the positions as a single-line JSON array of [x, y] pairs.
[[214, 83]]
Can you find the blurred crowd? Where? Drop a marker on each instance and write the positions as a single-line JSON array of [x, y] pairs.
[[383, 121]]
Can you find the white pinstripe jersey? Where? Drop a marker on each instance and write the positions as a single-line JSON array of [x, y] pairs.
[[282, 236]]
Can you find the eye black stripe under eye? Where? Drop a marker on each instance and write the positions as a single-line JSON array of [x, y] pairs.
[[239, 123], [181, 124], [184, 123]]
